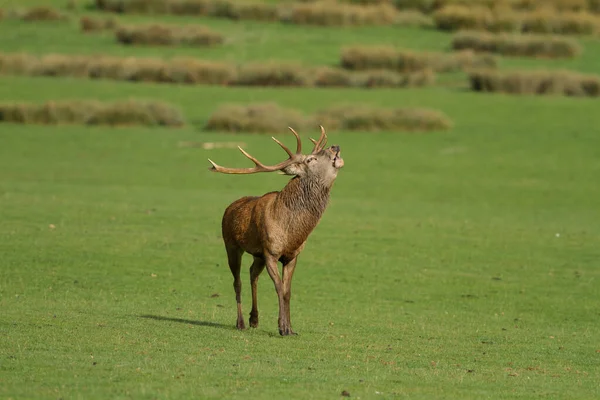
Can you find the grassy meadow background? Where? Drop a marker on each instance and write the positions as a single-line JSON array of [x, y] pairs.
[[450, 264]]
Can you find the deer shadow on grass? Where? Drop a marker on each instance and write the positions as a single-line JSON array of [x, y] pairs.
[[188, 321]]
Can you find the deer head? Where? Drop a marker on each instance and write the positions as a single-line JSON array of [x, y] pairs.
[[322, 163]]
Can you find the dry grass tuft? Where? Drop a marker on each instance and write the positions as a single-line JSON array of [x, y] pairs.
[[414, 18], [386, 57], [337, 77], [193, 71], [165, 35], [42, 13], [539, 20], [90, 24], [330, 13], [368, 118], [517, 45], [242, 10], [256, 118], [123, 113], [231, 9], [566, 83], [178, 70], [273, 74], [270, 118]]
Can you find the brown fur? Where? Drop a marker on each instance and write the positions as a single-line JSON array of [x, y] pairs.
[[274, 228]]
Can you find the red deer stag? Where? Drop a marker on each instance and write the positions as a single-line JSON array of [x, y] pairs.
[[275, 226]]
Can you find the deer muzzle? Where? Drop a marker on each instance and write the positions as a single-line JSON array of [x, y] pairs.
[[338, 161]]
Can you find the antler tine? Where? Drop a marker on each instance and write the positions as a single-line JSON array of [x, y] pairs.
[[298, 143], [319, 144], [260, 167]]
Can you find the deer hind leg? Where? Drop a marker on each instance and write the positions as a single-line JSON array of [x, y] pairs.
[[257, 267], [234, 257]]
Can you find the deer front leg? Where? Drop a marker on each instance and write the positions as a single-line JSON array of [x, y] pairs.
[[257, 267], [283, 321], [288, 273]]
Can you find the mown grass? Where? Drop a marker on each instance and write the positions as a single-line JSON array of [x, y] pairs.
[[459, 264], [453, 266]]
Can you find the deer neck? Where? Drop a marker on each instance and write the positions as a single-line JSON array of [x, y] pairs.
[[304, 198]]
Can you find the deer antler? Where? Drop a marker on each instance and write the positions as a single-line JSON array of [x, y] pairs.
[[260, 167], [319, 144]]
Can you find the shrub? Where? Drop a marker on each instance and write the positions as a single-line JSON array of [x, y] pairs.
[[165, 35], [256, 118], [565, 83], [272, 74], [386, 57], [90, 24], [42, 13], [368, 118], [328, 13], [130, 112], [517, 45]]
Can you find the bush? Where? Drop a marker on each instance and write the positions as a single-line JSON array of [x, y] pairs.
[[368, 118], [90, 24], [386, 57], [327, 13], [517, 45], [256, 118], [565, 83], [165, 35], [130, 112]]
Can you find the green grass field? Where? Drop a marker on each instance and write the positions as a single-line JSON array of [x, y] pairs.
[[449, 265]]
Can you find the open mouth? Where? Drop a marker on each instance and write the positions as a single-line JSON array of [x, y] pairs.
[[338, 161]]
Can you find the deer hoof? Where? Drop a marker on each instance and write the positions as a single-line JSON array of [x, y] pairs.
[[287, 332], [240, 325]]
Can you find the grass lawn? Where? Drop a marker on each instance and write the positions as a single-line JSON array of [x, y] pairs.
[[449, 265]]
